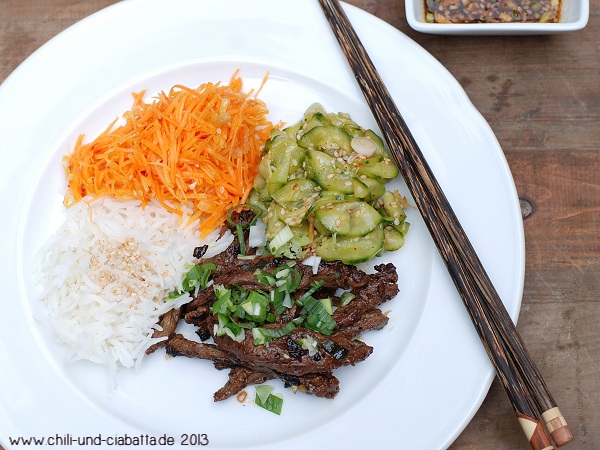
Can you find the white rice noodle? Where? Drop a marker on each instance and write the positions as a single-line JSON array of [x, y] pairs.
[[106, 274]]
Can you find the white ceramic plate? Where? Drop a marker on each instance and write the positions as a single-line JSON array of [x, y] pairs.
[[574, 16], [428, 373]]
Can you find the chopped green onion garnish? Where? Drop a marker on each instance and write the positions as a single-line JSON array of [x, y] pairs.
[[291, 280], [287, 301], [318, 318], [263, 391], [282, 237], [198, 275], [309, 343], [239, 309], [346, 298], [223, 299], [240, 227], [277, 298], [258, 337], [314, 287], [256, 305], [327, 304], [281, 272], [265, 399], [264, 335], [265, 278], [231, 329]]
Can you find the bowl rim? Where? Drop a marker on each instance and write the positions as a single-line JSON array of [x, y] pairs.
[[417, 23]]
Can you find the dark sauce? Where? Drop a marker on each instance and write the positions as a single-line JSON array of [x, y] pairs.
[[492, 11]]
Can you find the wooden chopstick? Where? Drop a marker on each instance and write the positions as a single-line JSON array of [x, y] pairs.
[[521, 379], [541, 399]]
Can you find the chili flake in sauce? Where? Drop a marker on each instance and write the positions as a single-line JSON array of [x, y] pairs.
[[496, 11]]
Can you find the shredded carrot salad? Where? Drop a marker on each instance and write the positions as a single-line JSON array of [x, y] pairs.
[[194, 150]]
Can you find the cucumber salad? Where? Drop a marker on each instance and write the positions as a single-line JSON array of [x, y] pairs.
[[321, 187]]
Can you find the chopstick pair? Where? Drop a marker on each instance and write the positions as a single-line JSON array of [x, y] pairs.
[[520, 378]]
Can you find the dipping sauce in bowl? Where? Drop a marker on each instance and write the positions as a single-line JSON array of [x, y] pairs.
[[492, 11]]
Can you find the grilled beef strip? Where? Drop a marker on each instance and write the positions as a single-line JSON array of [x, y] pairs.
[[381, 287], [276, 356], [370, 320], [178, 345], [240, 376], [168, 322]]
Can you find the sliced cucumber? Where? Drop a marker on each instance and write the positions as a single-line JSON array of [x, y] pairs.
[[352, 128], [279, 176], [328, 173], [385, 169], [264, 167], [333, 195], [295, 192], [274, 133], [348, 219], [391, 203], [375, 187], [318, 119], [328, 198], [255, 199], [315, 108], [284, 159], [376, 158], [285, 150], [334, 220], [292, 216], [351, 250], [326, 138], [392, 239], [273, 221], [292, 130], [361, 190]]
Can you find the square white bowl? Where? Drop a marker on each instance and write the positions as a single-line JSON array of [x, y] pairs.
[[574, 16]]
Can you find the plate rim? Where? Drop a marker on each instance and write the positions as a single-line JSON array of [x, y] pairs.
[[363, 16]]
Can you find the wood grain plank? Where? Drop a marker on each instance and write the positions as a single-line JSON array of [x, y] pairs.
[[562, 233]]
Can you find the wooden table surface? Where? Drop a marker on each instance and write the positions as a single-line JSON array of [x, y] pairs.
[[541, 96]]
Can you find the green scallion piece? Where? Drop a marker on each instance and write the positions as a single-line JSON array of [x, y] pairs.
[[198, 275], [282, 237], [278, 297], [240, 227], [318, 318], [221, 306], [272, 403], [263, 391], [256, 306], [346, 298], [314, 287], [278, 332], [265, 278]]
